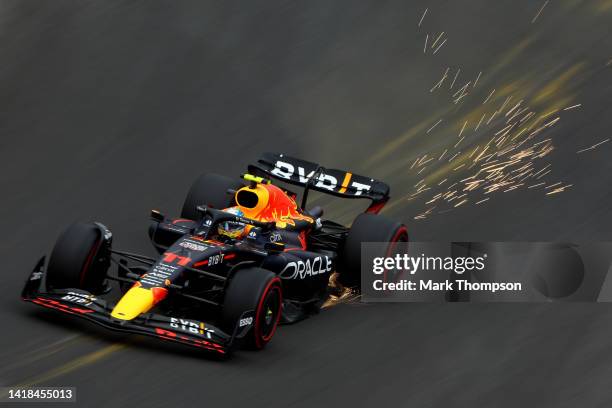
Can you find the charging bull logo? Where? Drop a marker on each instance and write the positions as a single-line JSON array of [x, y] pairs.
[[287, 171], [311, 267]]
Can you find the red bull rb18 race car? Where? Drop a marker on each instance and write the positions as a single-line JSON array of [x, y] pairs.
[[242, 258]]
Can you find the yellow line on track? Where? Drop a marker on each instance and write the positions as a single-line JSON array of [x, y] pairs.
[[42, 352], [73, 365]]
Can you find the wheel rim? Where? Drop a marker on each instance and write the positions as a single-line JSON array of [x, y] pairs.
[[269, 313]]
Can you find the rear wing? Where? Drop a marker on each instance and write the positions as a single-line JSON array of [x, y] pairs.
[[330, 181]]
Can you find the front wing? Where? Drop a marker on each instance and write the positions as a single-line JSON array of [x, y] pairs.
[[83, 304]]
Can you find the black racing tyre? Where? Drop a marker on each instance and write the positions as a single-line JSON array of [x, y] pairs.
[[74, 263], [253, 289], [367, 228], [211, 190]]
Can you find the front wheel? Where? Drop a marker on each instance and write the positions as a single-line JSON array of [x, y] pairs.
[[258, 290], [79, 259]]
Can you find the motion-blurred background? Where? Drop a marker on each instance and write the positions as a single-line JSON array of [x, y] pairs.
[[490, 121]]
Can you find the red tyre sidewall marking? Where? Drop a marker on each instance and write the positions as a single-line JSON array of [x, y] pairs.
[[398, 234], [88, 261], [260, 340]]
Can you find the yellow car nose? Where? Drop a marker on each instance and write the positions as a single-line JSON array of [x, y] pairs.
[[136, 301]]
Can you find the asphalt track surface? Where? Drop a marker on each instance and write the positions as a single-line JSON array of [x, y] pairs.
[[109, 109]]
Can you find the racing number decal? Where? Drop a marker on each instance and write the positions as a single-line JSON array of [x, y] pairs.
[[180, 260]]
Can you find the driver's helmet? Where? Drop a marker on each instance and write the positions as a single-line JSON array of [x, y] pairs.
[[232, 229]]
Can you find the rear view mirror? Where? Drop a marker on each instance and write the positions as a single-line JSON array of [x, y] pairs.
[[274, 246], [157, 216]]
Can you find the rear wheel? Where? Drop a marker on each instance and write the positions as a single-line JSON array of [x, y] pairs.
[[211, 190], [258, 290], [368, 228], [75, 261]]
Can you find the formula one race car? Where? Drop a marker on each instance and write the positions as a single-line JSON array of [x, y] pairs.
[[242, 257]]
